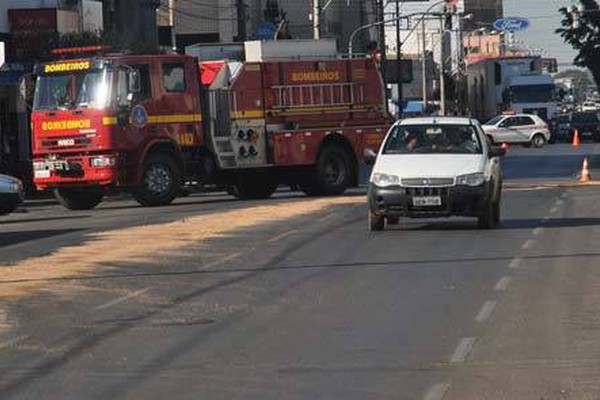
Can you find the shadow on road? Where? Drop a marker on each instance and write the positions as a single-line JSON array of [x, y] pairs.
[[10, 238], [21, 221], [467, 225]]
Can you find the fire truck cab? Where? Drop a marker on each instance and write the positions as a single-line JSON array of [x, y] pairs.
[[151, 123]]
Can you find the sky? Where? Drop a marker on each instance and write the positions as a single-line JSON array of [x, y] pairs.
[[544, 18]]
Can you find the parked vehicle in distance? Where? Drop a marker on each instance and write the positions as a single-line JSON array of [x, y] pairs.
[[589, 106], [435, 167], [11, 194], [528, 129], [586, 123]]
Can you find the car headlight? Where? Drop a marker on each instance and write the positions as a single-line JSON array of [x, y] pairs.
[[476, 179], [383, 180]]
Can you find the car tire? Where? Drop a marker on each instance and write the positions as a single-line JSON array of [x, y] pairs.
[[392, 220], [376, 222], [79, 198], [8, 206], [161, 181], [538, 140], [486, 219], [597, 137]]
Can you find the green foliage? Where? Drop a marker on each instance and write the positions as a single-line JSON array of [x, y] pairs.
[[582, 31]]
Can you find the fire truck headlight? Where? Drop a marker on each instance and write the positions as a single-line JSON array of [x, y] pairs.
[[102, 162]]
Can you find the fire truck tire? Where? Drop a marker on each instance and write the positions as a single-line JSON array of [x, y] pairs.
[[254, 186], [161, 182], [78, 198], [332, 176]]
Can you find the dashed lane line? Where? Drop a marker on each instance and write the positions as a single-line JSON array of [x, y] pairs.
[[528, 244], [537, 231], [464, 347], [283, 235], [13, 341], [123, 299], [502, 284], [554, 210], [486, 311], [516, 263], [437, 391], [220, 261]]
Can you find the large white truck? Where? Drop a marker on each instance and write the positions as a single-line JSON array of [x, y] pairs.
[[532, 94], [488, 79]]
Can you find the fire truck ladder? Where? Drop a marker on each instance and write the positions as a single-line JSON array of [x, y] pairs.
[[220, 127], [318, 95]]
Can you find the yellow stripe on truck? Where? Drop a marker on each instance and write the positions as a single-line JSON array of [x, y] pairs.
[[161, 119]]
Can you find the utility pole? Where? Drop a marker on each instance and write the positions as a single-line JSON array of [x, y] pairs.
[[316, 11], [380, 17], [241, 20], [398, 57], [424, 64], [442, 59]]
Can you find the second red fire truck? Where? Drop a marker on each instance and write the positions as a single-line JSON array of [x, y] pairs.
[[288, 112]]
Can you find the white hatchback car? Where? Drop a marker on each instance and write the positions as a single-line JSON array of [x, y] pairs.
[[435, 167], [519, 128]]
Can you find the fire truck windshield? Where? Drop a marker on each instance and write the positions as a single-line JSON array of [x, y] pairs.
[[85, 89]]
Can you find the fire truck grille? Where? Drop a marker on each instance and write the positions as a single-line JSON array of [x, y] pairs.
[[69, 142]]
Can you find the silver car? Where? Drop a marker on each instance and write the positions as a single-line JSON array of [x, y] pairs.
[[518, 128], [11, 194]]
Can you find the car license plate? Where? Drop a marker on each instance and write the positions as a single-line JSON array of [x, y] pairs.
[[427, 201], [42, 173]]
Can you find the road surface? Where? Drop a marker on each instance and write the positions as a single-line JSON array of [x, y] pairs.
[[293, 298]]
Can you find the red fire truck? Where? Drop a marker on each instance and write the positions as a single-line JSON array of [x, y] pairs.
[[152, 123]]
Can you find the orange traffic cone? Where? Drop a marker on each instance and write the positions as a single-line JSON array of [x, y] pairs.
[[576, 139], [585, 172]]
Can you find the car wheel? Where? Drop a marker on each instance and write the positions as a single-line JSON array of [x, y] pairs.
[[392, 220], [8, 206], [486, 219], [597, 137], [538, 140], [376, 222]]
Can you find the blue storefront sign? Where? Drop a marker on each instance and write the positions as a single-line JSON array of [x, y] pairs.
[[512, 24]]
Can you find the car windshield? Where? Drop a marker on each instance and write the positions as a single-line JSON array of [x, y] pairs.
[[89, 89], [434, 138], [494, 120]]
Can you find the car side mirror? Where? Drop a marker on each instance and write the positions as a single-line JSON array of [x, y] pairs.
[[496, 151], [369, 156]]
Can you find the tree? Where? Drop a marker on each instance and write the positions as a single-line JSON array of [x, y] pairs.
[[581, 29]]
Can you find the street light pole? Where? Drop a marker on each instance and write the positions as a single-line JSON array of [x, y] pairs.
[[423, 65], [398, 57], [315, 19], [442, 77]]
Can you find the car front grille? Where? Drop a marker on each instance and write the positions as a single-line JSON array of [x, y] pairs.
[[427, 182]]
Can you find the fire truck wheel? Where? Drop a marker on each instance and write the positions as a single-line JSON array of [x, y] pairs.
[[333, 172], [254, 186], [79, 198], [161, 181]]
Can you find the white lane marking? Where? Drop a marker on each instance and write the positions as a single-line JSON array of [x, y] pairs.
[[528, 244], [537, 231], [563, 195], [514, 264], [221, 261], [12, 342], [554, 210], [284, 234], [328, 217], [122, 299], [463, 349], [437, 391], [559, 202], [503, 284], [486, 311]]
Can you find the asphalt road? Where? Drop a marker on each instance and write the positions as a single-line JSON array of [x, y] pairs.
[[315, 306]]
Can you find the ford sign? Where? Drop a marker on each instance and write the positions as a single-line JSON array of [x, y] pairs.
[[511, 24]]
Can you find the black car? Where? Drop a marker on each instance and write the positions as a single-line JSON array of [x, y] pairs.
[[586, 123]]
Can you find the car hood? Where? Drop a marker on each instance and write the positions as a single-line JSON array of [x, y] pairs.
[[429, 166]]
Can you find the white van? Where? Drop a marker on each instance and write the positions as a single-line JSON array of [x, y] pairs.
[[435, 167]]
